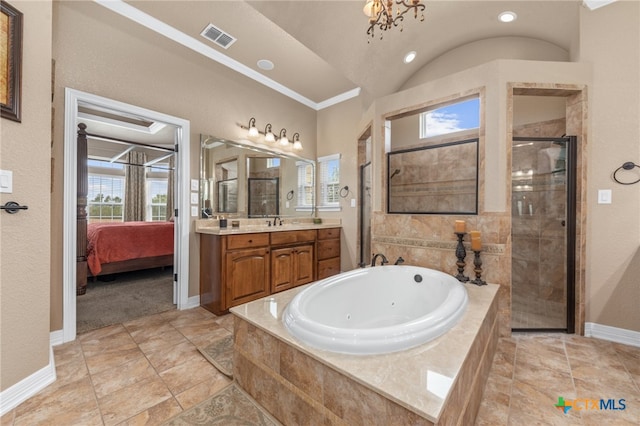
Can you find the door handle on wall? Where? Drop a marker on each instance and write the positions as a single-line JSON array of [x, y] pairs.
[[12, 207]]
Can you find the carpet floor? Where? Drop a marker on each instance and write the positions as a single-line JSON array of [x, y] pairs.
[[129, 296]]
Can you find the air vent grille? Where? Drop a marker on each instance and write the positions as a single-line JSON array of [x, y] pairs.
[[218, 36]]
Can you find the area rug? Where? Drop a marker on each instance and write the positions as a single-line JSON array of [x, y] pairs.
[[220, 354], [128, 296], [229, 406]]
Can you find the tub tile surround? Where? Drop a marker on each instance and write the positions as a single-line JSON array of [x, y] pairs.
[[429, 241], [439, 382]]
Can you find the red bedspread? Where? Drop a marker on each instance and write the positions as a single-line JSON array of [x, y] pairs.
[[114, 242]]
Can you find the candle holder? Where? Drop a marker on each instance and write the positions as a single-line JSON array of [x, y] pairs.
[[461, 253], [477, 262]]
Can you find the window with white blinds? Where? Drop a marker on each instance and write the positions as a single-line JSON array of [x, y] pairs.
[[305, 185], [329, 181]]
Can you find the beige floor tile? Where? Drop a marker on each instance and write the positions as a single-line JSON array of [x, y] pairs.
[[144, 323], [155, 415], [166, 358], [100, 361], [188, 374], [7, 419], [203, 332], [132, 400], [166, 339], [56, 401], [202, 391], [116, 378]]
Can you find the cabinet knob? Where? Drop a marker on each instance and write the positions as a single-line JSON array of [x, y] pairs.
[[250, 241]]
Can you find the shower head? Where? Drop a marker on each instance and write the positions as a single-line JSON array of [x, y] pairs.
[[395, 172]]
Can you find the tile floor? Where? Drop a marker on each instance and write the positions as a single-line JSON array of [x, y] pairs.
[[145, 371], [531, 311]]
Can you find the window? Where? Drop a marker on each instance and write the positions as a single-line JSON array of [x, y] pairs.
[[305, 185], [156, 199], [105, 198], [329, 181], [450, 118]]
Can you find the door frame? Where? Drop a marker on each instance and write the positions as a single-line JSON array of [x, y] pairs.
[[182, 188]]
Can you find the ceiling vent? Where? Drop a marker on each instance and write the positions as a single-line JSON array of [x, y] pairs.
[[218, 36]]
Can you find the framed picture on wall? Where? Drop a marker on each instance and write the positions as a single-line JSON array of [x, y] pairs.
[[10, 61]]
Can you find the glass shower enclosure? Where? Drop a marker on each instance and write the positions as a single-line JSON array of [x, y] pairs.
[[543, 233]]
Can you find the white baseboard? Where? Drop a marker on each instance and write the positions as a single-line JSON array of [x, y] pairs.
[[27, 387], [613, 334], [192, 302], [56, 338]]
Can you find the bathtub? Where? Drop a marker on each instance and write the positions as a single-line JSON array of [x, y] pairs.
[[376, 310]]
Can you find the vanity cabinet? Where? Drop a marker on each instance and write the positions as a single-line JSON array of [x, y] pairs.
[[291, 267], [328, 252], [235, 269]]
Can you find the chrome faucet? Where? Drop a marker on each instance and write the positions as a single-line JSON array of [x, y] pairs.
[[375, 257]]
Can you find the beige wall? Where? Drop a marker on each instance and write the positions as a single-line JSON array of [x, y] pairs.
[[338, 132], [482, 51], [610, 38], [99, 52], [25, 243]]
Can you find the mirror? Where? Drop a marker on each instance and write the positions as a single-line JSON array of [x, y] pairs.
[[238, 180]]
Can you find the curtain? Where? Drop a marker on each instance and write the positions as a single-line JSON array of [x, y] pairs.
[[135, 193], [170, 187]]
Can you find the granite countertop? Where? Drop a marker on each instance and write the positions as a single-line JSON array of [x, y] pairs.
[[419, 378], [252, 226]]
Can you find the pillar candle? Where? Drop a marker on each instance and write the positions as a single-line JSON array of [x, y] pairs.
[[476, 242], [460, 226]]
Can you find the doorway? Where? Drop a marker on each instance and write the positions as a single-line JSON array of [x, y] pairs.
[[543, 230], [74, 102]]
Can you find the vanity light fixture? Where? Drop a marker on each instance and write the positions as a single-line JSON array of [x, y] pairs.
[[253, 130], [270, 137], [268, 134], [297, 145], [284, 141]]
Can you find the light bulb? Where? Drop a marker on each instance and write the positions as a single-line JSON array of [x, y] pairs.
[[297, 145], [284, 141], [253, 132], [269, 137]]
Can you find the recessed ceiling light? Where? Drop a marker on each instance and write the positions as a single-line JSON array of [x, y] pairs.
[[265, 64], [409, 57], [507, 16]]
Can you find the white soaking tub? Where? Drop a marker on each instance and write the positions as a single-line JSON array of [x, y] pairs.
[[376, 310]]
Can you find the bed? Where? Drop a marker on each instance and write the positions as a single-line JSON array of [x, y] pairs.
[[109, 248], [126, 246]]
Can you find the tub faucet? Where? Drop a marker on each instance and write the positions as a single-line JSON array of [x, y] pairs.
[[399, 261], [375, 257]]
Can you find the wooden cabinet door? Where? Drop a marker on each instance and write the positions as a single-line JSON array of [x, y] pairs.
[[303, 264], [247, 275], [282, 267]]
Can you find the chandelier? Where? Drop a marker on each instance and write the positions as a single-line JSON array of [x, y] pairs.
[[381, 14]]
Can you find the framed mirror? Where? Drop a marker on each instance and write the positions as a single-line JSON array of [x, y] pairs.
[[238, 180], [435, 179]]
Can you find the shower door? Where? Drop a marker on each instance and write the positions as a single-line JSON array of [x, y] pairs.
[[543, 233], [365, 214]]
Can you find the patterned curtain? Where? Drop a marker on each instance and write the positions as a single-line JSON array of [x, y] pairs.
[[170, 187], [135, 193]]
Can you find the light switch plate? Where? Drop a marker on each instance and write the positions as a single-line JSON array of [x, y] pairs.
[[353, 202], [6, 181], [604, 196], [194, 184], [194, 211]]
